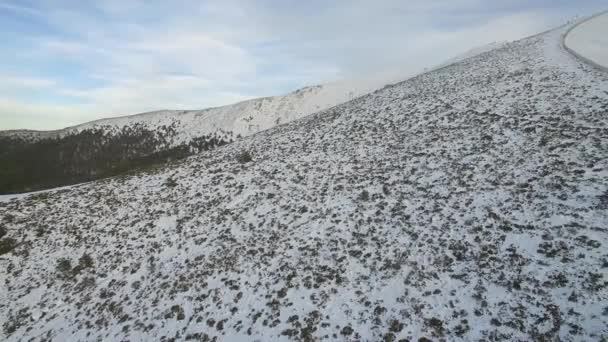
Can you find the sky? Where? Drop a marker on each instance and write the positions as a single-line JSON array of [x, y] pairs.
[[66, 62]]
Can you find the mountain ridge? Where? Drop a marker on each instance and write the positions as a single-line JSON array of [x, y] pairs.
[[35, 160], [376, 81]]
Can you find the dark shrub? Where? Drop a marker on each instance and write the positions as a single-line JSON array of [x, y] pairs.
[[346, 331], [396, 326], [244, 157], [436, 325], [603, 199], [9, 218], [7, 245], [86, 261], [170, 182], [64, 266], [364, 196]]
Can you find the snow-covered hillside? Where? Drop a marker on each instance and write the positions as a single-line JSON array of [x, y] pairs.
[[589, 40], [468, 203]]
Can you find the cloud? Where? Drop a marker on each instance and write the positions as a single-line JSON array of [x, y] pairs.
[[84, 60], [181, 91], [18, 114], [23, 82], [20, 9]]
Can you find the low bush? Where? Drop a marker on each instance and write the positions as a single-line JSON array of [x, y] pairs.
[[244, 157], [86, 261], [170, 182], [7, 245], [64, 267]]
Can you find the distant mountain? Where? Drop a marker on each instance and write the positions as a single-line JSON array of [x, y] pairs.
[[469, 203], [33, 160]]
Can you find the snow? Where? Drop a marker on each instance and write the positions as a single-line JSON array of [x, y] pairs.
[[485, 218], [10, 197], [590, 41]]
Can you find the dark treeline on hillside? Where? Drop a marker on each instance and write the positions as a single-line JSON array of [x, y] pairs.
[[89, 155]]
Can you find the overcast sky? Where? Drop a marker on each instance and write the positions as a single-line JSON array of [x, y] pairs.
[[65, 62]]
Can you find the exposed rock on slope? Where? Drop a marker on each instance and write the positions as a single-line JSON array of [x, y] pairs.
[[463, 204]]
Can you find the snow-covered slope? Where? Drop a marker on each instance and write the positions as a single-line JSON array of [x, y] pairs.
[[469, 203], [589, 40]]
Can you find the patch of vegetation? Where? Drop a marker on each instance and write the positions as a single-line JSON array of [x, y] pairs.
[[346, 331], [86, 261], [364, 196], [9, 218], [396, 326], [7, 245], [244, 157], [170, 182], [66, 271], [176, 312], [603, 200], [64, 267], [86, 156], [87, 282], [389, 337], [436, 326], [19, 319]]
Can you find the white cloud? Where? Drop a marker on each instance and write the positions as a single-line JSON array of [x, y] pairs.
[[20, 9], [24, 82], [18, 114]]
